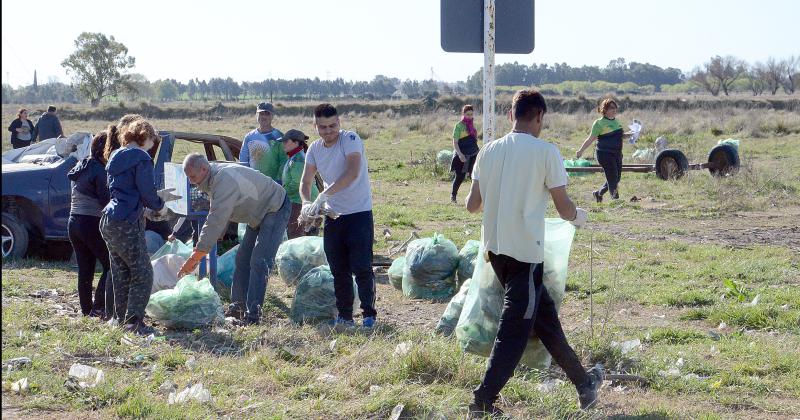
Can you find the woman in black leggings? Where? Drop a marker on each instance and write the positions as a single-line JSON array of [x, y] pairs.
[[609, 134], [465, 148], [89, 196]]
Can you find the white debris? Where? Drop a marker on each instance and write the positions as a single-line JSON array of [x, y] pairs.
[[332, 346], [190, 363], [722, 326], [86, 376], [402, 349], [21, 386], [168, 387], [754, 302], [17, 363], [549, 385], [627, 346], [374, 389], [197, 392], [328, 378]]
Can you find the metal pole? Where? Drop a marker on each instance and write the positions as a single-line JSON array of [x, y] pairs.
[[488, 71]]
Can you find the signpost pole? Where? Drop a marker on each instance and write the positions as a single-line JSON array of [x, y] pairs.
[[488, 70]]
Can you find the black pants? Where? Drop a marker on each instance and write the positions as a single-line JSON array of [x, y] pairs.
[[528, 307], [612, 167], [19, 144], [461, 170], [348, 247], [84, 233]]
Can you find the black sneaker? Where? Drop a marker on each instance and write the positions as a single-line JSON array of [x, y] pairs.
[[615, 195], [453, 199], [234, 311], [597, 196], [485, 411], [139, 328], [587, 393], [250, 321]]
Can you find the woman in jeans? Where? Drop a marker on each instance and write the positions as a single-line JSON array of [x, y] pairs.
[[609, 134], [132, 188], [465, 148], [89, 196], [22, 130]]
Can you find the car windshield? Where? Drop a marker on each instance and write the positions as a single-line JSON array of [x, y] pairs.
[[51, 151]]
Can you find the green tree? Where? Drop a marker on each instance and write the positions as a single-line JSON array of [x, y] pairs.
[[165, 90], [98, 65]]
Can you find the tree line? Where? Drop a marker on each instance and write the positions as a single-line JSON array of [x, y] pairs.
[[100, 66]]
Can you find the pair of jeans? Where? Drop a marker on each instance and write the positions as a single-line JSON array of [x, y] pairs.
[[131, 272], [527, 307], [255, 259], [612, 167], [84, 234], [19, 144], [348, 248]]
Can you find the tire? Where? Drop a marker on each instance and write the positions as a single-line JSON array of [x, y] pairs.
[[15, 237], [671, 164], [725, 159]]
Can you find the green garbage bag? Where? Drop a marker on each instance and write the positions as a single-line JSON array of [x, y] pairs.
[[447, 323], [298, 256], [191, 304], [576, 163], [395, 272], [430, 271], [466, 260], [175, 247], [444, 157], [731, 142], [314, 298], [477, 325]]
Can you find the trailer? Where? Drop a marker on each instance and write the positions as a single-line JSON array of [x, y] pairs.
[[723, 160]]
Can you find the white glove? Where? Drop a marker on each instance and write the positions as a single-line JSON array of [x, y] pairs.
[[581, 216], [167, 195], [305, 212], [318, 205]]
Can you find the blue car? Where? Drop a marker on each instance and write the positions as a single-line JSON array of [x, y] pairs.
[[36, 191]]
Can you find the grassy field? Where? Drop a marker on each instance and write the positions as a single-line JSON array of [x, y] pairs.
[[678, 268]]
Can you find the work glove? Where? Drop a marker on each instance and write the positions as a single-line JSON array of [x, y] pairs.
[[191, 264], [167, 195], [313, 210], [581, 217]]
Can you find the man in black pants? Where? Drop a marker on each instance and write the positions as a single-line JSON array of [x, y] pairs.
[[513, 180]]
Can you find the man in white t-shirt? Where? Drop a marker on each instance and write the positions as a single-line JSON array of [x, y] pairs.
[[514, 179], [338, 155]]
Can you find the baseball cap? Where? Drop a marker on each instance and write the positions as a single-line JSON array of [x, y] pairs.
[[265, 107], [295, 135]]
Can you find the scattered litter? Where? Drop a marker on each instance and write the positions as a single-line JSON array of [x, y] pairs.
[[332, 345], [397, 412], [680, 362], [374, 389], [17, 363], [694, 376], [86, 376], [21, 386], [785, 307], [190, 363], [754, 302], [659, 316], [328, 378], [44, 293], [722, 326], [168, 387], [197, 392], [635, 199], [402, 349], [549, 385], [714, 335], [627, 346]]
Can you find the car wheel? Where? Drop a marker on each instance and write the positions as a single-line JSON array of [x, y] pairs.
[[671, 164], [15, 237]]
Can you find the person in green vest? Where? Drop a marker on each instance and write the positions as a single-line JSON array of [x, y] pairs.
[[465, 149], [295, 145], [261, 149]]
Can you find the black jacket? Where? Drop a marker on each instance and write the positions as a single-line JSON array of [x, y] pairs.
[[49, 126], [17, 123], [89, 178]]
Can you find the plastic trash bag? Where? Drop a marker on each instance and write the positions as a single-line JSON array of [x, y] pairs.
[[314, 298], [298, 256], [732, 142], [577, 163], [444, 157], [636, 128], [477, 325], [430, 271], [174, 247], [466, 260], [191, 304], [449, 320], [395, 272], [644, 155], [165, 271], [226, 265]]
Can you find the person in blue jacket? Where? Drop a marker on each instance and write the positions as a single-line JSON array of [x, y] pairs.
[[89, 196], [132, 188]]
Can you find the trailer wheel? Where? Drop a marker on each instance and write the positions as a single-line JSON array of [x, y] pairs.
[[671, 164], [724, 160]]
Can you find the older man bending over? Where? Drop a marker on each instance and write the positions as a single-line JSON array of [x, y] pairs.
[[242, 195]]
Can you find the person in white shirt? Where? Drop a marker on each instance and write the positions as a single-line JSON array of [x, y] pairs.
[[514, 179]]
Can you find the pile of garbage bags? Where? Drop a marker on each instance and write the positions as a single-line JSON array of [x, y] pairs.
[[191, 304], [449, 320], [296, 257], [165, 271], [315, 299], [466, 260], [395, 272], [444, 157], [479, 318], [430, 270]]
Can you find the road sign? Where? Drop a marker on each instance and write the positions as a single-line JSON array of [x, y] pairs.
[[462, 26]]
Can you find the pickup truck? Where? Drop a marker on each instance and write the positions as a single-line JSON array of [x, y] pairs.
[[36, 191]]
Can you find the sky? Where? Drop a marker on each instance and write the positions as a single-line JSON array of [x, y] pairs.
[[358, 39]]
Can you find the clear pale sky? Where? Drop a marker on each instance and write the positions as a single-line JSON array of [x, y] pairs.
[[357, 39]]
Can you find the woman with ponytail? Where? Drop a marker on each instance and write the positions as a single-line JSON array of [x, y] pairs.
[[295, 144], [465, 146]]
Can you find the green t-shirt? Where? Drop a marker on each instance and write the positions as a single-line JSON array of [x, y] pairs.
[[608, 133], [460, 131], [269, 162]]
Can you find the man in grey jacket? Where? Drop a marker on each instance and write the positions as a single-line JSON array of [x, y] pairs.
[[242, 195]]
